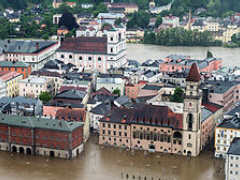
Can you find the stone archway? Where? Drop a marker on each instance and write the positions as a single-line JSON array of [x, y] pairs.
[[21, 150], [52, 154], [29, 151], [189, 153], [14, 149]]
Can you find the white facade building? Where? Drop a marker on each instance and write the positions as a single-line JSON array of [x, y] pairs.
[[33, 86], [232, 162], [111, 82], [34, 52], [95, 53], [225, 132]]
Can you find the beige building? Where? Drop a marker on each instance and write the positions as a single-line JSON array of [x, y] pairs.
[[158, 128], [11, 81], [33, 86]]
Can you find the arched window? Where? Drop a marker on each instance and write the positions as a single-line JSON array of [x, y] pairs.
[[190, 121], [99, 58], [80, 57], [70, 56], [62, 56], [177, 135]]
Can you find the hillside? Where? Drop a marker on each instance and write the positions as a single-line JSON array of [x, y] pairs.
[[179, 8], [213, 7]]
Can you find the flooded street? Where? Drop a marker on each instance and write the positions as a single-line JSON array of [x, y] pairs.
[[105, 163]]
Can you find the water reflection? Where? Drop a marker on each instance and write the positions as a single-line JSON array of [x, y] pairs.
[[107, 163]]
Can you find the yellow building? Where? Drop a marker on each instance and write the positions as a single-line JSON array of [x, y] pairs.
[[11, 80]]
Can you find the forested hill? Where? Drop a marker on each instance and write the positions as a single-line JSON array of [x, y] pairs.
[[213, 7], [21, 4], [180, 7]]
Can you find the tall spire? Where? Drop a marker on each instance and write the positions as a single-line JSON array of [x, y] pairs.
[[194, 74]]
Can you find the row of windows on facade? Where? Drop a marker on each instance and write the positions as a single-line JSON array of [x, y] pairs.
[[236, 158], [232, 165], [139, 142], [36, 85], [33, 59], [15, 69], [81, 58], [226, 135], [232, 172], [114, 126]]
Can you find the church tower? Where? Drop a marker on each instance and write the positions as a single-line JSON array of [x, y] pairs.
[[192, 113]]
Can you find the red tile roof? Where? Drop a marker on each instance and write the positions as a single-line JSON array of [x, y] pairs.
[[6, 76], [194, 74], [85, 45], [212, 107], [102, 91], [64, 88], [69, 114]]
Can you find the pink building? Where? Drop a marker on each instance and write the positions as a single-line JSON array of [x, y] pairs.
[[132, 90], [224, 93], [179, 63], [211, 115]]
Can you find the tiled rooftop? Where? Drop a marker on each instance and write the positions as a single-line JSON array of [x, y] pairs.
[[6, 76], [13, 64], [32, 122], [234, 148], [97, 45], [24, 46], [146, 115]]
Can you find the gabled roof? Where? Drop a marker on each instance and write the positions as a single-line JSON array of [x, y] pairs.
[[234, 147], [69, 114], [146, 114], [102, 91], [41, 123], [194, 74], [212, 107], [97, 45]]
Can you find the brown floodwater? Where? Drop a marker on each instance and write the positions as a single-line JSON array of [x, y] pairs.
[[107, 163]]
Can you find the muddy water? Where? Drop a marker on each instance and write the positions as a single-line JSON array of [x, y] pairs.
[[105, 163], [142, 52]]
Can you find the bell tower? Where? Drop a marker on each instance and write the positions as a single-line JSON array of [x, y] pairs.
[[192, 113]]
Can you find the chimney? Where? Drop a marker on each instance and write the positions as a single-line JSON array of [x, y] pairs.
[[60, 123], [37, 45]]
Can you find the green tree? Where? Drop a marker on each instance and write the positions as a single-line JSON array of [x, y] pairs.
[[68, 20], [138, 19], [100, 8], [178, 95], [45, 97], [118, 21], [158, 21], [209, 54], [117, 92], [149, 37]]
